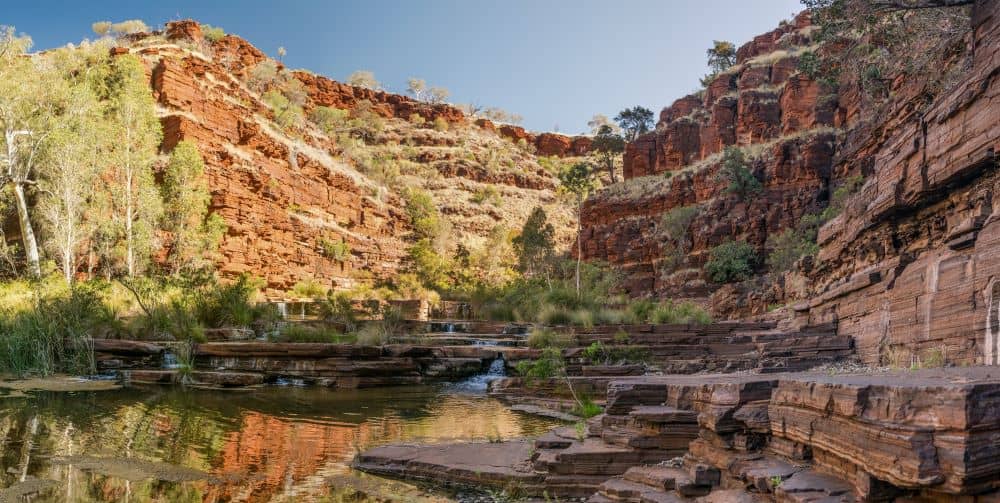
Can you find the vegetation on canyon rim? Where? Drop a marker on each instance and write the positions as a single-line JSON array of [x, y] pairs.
[[90, 193], [96, 198]]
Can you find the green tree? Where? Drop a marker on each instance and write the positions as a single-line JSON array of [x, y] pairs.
[[635, 121], [721, 56], [286, 113], [578, 180], [195, 233], [607, 147], [731, 261], [134, 201], [73, 163], [424, 215], [30, 101], [734, 170], [535, 244]]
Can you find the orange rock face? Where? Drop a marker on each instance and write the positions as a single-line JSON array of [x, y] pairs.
[[766, 105], [281, 201], [910, 267]]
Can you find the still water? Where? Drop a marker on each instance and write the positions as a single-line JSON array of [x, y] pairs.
[[278, 443]]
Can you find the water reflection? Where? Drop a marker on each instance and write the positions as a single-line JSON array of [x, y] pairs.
[[273, 444]]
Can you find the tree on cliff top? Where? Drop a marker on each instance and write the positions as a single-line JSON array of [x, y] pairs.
[[635, 121], [721, 56], [365, 79], [607, 147]]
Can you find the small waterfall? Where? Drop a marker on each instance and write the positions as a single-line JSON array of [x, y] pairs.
[[449, 328], [479, 383], [170, 360], [283, 309]]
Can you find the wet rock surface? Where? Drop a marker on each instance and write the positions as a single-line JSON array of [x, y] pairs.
[[922, 435]]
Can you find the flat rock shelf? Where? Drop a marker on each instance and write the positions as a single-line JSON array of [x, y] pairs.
[[922, 435]]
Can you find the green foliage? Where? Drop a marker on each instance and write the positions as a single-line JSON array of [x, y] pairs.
[[878, 41], [683, 312], [329, 119], [297, 332], [195, 233], [600, 354], [549, 364], [434, 270], [227, 305], [541, 338], [810, 65], [635, 121], [131, 196], [674, 226], [440, 124], [417, 119], [607, 146], [54, 334], [286, 113], [789, 246], [423, 213], [212, 33], [336, 250], [794, 243], [535, 245], [338, 307], [309, 289], [581, 430], [489, 194], [721, 55], [731, 261], [587, 408], [734, 170], [381, 330]]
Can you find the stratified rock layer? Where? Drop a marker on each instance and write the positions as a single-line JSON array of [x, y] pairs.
[[910, 267]]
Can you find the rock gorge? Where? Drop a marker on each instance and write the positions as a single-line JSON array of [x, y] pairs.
[[282, 192], [905, 269]]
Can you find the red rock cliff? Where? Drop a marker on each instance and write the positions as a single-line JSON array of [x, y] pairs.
[[910, 267], [782, 119]]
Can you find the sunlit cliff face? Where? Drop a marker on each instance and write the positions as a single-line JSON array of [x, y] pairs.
[[274, 444]]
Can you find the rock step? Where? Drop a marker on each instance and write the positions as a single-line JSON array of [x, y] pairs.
[[559, 438], [663, 415], [595, 457], [619, 490]]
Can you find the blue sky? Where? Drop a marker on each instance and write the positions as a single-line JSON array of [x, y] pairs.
[[555, 62]]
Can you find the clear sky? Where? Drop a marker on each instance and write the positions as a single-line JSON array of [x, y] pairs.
[[555, 62]]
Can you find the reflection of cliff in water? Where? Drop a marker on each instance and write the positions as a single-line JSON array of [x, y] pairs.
[[274, 443]]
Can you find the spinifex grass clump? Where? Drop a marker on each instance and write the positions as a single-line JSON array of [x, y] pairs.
[[54, 334]]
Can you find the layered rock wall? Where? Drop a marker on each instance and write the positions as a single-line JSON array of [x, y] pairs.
[[781, 119], [909, 268]]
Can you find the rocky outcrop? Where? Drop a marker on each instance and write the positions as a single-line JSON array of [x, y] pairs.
[[230, 364], [783, 122], [278, 197], [908, 268], [285, 195], [907, 436]]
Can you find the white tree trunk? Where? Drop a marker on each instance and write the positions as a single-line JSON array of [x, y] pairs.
[[27, 231], [579, 244]]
